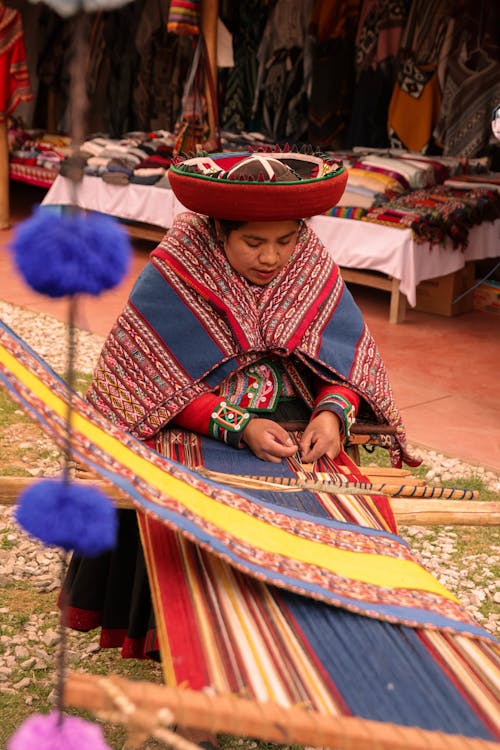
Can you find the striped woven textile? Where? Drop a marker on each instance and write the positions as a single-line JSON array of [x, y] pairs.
[[279, 596], [184, 17]]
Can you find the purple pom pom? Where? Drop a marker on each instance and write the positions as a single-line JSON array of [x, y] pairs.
[[71, 254], [68, 515], [44, 732]]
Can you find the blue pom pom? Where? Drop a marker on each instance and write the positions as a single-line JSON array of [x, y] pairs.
[[71, 254], [68, 515]]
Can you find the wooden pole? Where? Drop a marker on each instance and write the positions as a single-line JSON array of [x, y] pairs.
[[209, 17], [407, 511], [4, 176], [246, 718]]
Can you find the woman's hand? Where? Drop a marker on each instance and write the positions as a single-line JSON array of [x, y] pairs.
[[268, 440], [321, 437]]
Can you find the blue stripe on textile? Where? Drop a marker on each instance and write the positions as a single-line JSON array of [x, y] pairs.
[[173, 322], [348, 320], [383, 671]]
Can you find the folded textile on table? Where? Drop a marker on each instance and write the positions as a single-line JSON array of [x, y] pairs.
[[438, 213]]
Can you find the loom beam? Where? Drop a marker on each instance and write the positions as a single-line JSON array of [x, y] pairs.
[[415, 511], [245, 718]]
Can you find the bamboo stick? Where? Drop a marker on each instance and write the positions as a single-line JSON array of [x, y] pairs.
[[407, 511], [246, 718]]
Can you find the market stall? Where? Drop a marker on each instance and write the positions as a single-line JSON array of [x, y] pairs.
[[371, 254]]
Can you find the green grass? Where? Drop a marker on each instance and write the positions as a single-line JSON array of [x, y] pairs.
[[10, 412]]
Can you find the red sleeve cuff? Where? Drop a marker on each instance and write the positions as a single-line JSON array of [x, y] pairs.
[[196, 416]]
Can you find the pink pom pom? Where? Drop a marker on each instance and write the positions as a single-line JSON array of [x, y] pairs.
[[43, 732]]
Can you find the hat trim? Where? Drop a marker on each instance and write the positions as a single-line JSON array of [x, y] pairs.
[[271, 183], [210, 174]]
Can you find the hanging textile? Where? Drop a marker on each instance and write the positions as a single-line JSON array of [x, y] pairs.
[[472, 83], [246, 20], [333, 28], [416, 98], [163, 67], [284, 69], [14, 78], [378, 40]]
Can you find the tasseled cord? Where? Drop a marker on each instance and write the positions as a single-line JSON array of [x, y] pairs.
[[66, 255]]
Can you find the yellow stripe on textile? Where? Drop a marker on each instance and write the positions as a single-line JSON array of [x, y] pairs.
[[372, 569]]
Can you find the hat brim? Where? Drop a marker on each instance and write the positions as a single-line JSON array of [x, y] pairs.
[[241, 200]]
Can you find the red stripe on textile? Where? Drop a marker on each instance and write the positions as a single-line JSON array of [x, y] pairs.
[[421, 634], [206, 294], [173, 603], [134, 648], [112, 637]]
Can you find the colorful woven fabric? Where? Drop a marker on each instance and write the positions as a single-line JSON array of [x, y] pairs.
[[243, 603], [439, 213], [184, 17], [14, 78], [347, 212], [154, 364], [253, 535]]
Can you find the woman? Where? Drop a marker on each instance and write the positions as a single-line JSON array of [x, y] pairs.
[[240, 350]]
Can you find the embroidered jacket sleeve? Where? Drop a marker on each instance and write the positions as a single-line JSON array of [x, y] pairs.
[[216, 417], [337, 398]]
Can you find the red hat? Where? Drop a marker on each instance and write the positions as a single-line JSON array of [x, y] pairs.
[[260, 186]]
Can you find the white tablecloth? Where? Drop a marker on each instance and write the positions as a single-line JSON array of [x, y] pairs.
[[354, 244]]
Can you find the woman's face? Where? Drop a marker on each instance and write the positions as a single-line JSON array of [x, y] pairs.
[[259, 250]]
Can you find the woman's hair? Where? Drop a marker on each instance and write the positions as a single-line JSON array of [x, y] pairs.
[[226, 226]]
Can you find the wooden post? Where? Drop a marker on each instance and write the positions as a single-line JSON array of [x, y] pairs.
[[146, 704], [4, 177], [209, 17]]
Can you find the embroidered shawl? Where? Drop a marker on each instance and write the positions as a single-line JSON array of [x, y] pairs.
[[191, 321]]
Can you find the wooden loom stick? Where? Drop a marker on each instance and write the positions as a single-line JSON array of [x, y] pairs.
[[246, 718], [420, 512], [337, 485]]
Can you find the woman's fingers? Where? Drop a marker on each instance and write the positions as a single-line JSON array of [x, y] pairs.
[[268, 440]]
